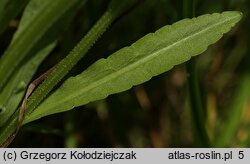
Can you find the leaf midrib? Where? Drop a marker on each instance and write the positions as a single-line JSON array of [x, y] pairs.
[[135, 64]]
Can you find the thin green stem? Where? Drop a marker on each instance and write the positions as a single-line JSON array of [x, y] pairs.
[[186, 8], [115, 9], [196, 107]]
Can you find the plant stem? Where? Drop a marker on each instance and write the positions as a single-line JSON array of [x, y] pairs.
[[186, 8], [115, 9], [196, 107]]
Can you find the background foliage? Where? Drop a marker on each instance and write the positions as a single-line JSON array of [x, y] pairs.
[[155, 114]]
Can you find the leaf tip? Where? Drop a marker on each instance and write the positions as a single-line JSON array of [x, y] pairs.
[[239, 14], [236, 14]]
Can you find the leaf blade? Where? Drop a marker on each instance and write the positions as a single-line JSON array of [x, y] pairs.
[[150, 56], [49, 13], [13, 91]]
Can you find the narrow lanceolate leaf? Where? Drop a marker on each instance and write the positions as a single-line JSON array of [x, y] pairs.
[[13, 91], [150, 56], [49, 13]]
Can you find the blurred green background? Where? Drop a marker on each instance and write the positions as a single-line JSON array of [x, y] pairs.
[[155, 114]]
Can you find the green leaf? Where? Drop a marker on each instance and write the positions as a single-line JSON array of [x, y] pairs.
[[113, 11], [150, 56], [7, 132], [12, 93], [49, 13]]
